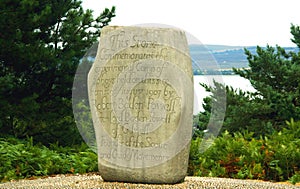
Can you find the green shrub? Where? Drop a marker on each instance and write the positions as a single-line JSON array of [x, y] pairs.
[[275, 157], [284, 149], [22, 159], [295, 178]]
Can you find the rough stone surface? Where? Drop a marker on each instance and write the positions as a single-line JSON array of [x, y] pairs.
[[141, 98]]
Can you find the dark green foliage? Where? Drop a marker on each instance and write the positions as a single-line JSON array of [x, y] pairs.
[[295, 30], [295, 179], [215, 108], [22, 159], [275, 157], [256, 142], [275, 74], [41, 43]]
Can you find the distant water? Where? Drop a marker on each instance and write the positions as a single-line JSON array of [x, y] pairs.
[[234, 81]]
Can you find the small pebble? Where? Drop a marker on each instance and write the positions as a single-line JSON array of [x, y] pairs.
[[95, 181]]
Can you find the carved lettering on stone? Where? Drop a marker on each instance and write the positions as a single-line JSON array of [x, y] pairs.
[[141, 98]]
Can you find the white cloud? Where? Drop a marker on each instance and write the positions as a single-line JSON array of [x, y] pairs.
[[230, 22]]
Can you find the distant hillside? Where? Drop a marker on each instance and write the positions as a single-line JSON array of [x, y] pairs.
[[209, 59], [212, 57]]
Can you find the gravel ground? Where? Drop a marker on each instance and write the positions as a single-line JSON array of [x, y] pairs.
[[95, 181]]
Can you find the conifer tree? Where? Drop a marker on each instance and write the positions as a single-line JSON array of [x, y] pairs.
[[41, 43], [275, 74]]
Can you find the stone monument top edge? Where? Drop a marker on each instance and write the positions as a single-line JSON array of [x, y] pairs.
[[109, 28]]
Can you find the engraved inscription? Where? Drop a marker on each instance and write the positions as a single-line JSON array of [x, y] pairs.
[[141, 97]]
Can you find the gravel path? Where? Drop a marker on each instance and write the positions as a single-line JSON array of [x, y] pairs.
[[95, 181]]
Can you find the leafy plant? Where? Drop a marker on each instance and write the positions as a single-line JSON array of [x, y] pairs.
[[23, 159], [274, 157], [295, 179]]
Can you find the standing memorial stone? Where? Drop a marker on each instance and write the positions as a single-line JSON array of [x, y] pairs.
[[141, 98]]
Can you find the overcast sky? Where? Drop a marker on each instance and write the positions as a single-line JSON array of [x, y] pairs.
[[223, 22]]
